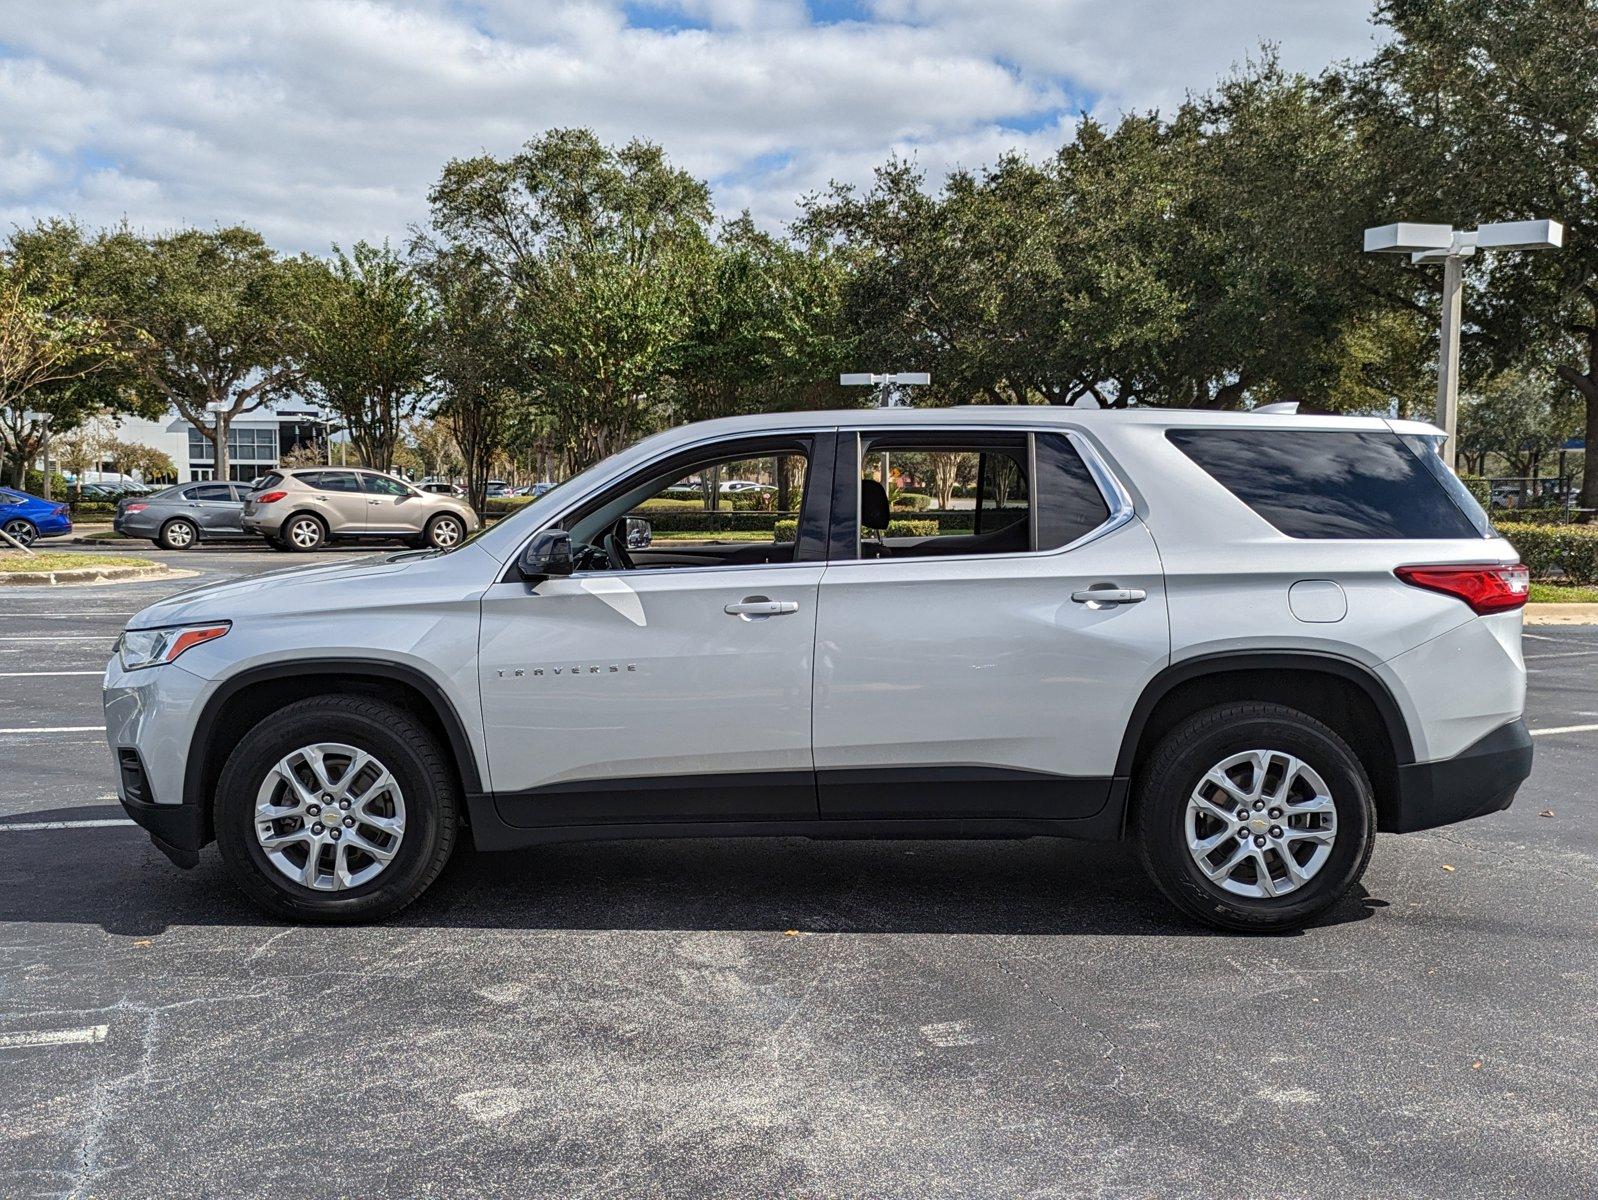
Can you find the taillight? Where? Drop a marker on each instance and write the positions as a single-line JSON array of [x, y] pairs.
[[1486, 587], [269, 497], [134, 508]]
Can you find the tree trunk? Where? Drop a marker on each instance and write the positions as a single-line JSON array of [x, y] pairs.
[[219, 461], [1587, 385]]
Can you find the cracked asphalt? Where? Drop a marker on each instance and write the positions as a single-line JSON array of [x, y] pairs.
[[781, 1017]]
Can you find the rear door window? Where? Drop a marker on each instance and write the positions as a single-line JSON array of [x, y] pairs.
[[1332, 484], [211, 491], [331, 481]]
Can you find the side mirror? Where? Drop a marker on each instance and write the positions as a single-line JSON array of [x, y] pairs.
[[549, 553], [638, 532]]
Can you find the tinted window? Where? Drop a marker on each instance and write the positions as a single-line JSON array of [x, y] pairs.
[[382, 485], [269, 480], [211, 491], [1328, 483], [1070, 504], [330, 481]]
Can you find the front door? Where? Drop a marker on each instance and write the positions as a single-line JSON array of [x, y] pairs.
[[968, 672], [670, 687], [391, 506]]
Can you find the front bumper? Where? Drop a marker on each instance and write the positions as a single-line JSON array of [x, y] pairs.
[[1481, 779], [149, 718]]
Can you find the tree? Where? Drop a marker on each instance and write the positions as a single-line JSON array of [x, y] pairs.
[[766, 330], [59, 358], [475, 360], [218, 316], [364, 346], [598, 247], [434, 445], [1520, 414], [1487, 110]]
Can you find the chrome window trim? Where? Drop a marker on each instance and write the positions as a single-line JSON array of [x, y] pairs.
[[1116, 498]]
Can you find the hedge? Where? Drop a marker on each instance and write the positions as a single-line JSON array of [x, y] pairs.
[[1569, 552], [788, 531], [914, 501]]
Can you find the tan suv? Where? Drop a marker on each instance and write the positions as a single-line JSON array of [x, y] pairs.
[[300, 510]]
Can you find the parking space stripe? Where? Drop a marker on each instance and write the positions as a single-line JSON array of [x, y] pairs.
[[27, 826], [63, 637], [89, 1036], [43, 674], [57, 729], [1564, 729]]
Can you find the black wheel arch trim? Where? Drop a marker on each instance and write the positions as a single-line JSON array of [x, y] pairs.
[[371, 668], [1265, 660]]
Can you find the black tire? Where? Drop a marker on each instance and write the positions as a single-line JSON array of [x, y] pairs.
[[22, 530], [178, 534], [303, 532], [403, 745], [1177, 766], [276, 544], [431, 534]]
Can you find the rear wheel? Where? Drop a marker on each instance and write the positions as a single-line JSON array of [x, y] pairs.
[[303, 531], [336, 809], [177, 534], [1255, 817], [445, 531], [21, 530]]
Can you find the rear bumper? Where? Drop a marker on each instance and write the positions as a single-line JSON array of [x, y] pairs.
[[1481, 779]]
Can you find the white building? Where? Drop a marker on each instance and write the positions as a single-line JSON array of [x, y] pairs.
[[257, 441]]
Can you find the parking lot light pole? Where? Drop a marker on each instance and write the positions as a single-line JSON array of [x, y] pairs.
[[1451, 247], [887, 386]]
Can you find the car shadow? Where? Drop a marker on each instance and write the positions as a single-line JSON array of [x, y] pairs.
[[114, 879]]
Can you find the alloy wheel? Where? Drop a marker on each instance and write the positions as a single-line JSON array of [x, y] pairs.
[[179, 535], [445, 532], [305, 533], [22, 531], [330, 816], [1261, 824]]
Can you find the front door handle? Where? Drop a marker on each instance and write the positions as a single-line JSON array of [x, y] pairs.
[[374, 502], [1105, 596], [755, 607]]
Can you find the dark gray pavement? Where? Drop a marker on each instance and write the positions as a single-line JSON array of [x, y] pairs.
[[782, 1018]]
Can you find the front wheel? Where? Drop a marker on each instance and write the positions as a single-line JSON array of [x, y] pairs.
[[336, 809], [1254, 817], [22, 531], [445, 532]]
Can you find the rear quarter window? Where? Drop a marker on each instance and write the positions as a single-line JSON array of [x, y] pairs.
[[1331, 484]]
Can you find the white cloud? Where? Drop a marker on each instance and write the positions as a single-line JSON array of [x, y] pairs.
[[327, 120]]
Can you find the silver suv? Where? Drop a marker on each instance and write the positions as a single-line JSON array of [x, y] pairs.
[[301, 510], [1245, 642]]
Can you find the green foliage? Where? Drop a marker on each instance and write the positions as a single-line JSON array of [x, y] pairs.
[[364, 345], [1568, 552], [914, 501]]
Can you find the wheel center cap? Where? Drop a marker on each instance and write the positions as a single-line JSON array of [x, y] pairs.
[[1259, 824]]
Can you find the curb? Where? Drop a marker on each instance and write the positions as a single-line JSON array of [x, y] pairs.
[[1562, 614], [85, 575]]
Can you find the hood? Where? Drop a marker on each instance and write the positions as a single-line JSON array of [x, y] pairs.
[[334, 587]]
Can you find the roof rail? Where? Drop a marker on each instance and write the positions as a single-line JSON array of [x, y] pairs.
[[1282, 407]]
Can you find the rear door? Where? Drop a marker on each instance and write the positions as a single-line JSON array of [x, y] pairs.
[[969, 672], [341, 500], [214, 508]]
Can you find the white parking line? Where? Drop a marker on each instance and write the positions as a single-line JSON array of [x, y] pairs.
[[1564, 729], [89, 1036], [58, 729], [1565, 654], [102, 823], [64, 637], [43, 674]]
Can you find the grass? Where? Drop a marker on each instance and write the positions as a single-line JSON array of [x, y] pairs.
[[719, 535], [1553, 593], [60, 560]]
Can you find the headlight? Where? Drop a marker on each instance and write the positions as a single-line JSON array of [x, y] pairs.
[[151, 647]]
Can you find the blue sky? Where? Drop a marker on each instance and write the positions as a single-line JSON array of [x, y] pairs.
[[326, 120]]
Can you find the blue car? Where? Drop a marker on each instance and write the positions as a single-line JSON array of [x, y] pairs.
[[28, 518]]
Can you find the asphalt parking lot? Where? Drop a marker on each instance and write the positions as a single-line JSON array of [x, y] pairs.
[[781, 1018]]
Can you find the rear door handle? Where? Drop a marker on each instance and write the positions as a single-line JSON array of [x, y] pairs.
[[754, 607], [1109, 595]]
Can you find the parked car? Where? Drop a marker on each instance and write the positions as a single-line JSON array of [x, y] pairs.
[[495, 489], [181, 517], [303, 509], [1245, 642], [734, 486], [26, 518], [441, 487]]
